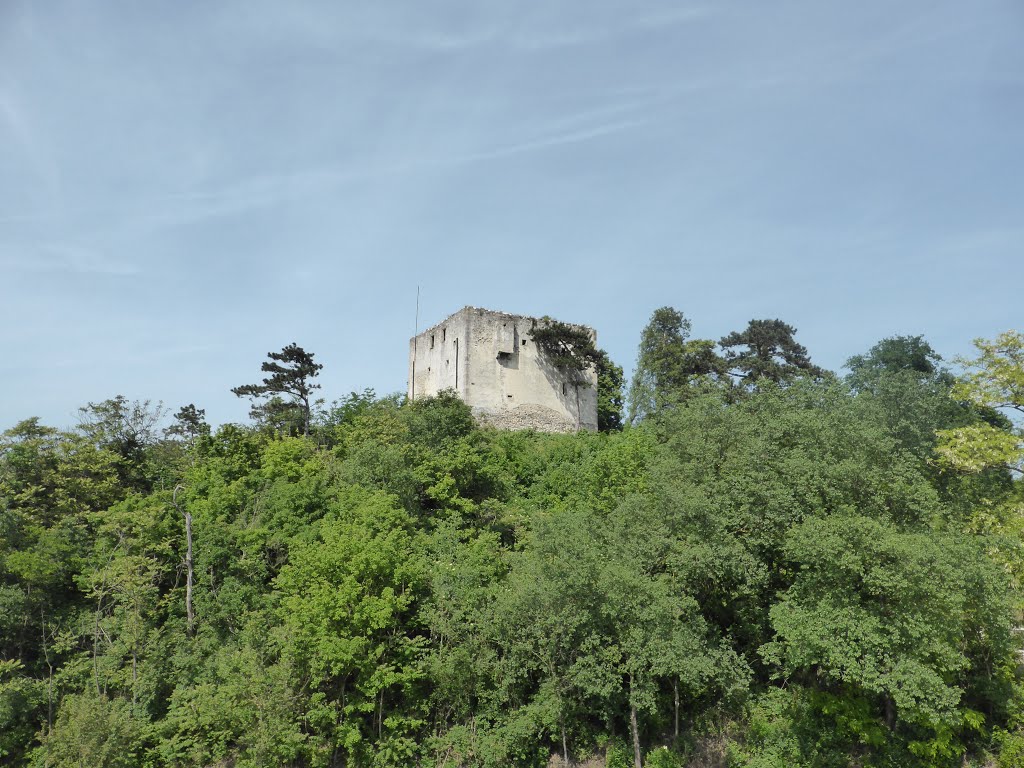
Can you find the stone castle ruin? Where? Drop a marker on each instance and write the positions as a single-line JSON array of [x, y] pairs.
[[490, 360]]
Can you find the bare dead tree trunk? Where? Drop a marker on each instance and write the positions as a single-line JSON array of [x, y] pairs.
[[633, 727], [189, 574], [565, 745], [135, 677], [96, 645], [675, 695], [189, 577], [49, 675]]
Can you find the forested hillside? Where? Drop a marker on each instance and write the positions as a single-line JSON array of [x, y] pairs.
[[761, 563]]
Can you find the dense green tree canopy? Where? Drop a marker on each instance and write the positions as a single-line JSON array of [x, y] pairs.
[[786, 574], [994, 380], [893, 356]]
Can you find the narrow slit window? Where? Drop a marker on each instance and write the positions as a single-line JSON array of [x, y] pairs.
[[431, 341]]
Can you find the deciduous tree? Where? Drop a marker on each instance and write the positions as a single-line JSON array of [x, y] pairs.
[[892, 356], [994, 379], [669, 364], [128, 429], [903, 377], [889, 613]]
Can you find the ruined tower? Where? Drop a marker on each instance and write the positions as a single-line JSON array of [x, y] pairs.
[[490, 360]]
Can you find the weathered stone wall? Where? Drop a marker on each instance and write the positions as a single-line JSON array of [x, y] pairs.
[[536, 417], [489, 359], [437, 358]]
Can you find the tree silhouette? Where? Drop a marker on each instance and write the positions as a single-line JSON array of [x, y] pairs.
[[766, 349], [291, 372]]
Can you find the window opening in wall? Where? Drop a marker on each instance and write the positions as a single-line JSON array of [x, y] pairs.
[[563, 387], [444, 333], [431, 341], [509, 396], [524, 342]]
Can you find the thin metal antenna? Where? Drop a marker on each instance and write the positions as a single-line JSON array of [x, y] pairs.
[[415, 344]]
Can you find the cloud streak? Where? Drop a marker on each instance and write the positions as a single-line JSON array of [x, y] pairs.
[[24, 136], [267, 190], [62, 257], [553, 36], [549, 141]]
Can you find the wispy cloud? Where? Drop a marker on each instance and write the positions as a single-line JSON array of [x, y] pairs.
[[138, 217], [550, 140], [150, 353], [548, 35], [547, 28], [61, 257], [984, 240], [672, 17], [17, 125]]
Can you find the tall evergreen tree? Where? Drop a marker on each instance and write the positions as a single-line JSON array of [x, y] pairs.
[[767, 349], [668, 364], [291, 372], [189, 424], [609, 393]]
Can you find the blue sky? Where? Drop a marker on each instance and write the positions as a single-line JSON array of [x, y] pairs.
[[186, 186]]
